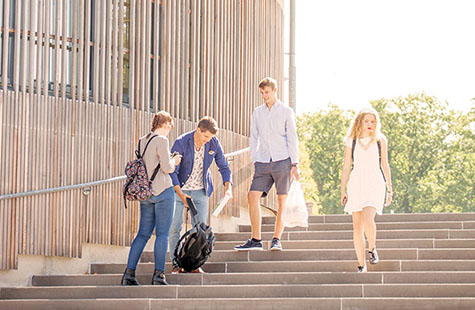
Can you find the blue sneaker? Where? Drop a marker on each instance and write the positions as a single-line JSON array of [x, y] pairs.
[[250, 245]]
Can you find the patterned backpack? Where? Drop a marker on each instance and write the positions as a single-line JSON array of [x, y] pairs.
[[137, 186]]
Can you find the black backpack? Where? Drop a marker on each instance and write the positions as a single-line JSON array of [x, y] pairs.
[[195, 246]]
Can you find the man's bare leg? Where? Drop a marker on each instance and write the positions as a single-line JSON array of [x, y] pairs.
[[279, 223], [255, 213]]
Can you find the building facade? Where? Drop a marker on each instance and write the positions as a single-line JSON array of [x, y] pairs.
[[80, 82]]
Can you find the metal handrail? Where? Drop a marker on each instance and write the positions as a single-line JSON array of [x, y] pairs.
[[90, 184]]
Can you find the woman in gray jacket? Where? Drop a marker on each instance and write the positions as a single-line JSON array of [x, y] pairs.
[[157, 211]]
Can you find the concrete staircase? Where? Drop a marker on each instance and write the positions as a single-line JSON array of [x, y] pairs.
[[427, 262]]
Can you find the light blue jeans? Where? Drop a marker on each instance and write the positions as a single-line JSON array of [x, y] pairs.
[[201, 203], [155, 212]]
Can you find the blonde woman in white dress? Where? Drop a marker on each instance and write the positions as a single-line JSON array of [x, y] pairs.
[[369, 183]]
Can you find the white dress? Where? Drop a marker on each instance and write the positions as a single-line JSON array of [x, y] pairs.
[[366, 186]]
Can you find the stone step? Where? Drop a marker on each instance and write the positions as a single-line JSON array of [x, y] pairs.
[[348, 235], [284, 278], [329, 254], [398, 217], [108, 268], [388, 303], [241, 291], [348, 244], [302, 266], [380, 226]]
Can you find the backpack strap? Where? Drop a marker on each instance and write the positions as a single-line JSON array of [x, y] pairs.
[[353, 145], [379, 153], [137, 153]]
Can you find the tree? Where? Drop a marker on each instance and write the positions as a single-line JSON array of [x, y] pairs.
[[417, 128], [449, 186], [309, 186], [322, 133]]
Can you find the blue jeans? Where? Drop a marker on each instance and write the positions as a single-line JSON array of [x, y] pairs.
[[155, 212], [201, 202]]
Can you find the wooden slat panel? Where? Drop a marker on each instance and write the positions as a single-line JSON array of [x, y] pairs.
[[209, 61]]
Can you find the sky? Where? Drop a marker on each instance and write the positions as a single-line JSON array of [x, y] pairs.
[[351, 51]]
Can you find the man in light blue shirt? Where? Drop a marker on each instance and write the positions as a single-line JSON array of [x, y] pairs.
[[274, 151]]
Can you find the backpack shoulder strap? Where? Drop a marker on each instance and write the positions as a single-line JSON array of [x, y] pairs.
[[353, 145], [379, 154], [138, 153], [379, 150]]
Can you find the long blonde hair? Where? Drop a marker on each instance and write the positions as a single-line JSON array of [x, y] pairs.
[[354, 132]]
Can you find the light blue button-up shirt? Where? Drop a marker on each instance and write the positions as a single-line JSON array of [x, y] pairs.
[[273, 134]]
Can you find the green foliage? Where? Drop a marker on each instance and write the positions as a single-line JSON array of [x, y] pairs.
[[431, 153], [449, 186], [306, 179], [323, 133]]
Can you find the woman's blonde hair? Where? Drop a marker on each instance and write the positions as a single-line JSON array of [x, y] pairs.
[[354, 132]]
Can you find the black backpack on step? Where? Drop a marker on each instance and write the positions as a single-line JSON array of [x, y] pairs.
[[195, 246]]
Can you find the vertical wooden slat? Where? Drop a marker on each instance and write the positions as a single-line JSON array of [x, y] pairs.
[[121, 52], [6, 37], [132, 55], [16, 65], [148, 38], [81, 48], [46, 50], [33, 48], [140, 60], [24, 50], [57, 72], [114, 47], [39, 45], [164, 56], [173, 57], [107, 50], [96, 60], [87, 51], [156, 57], [74, 54], [101, 29]]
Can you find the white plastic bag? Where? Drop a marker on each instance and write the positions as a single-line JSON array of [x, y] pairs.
[[295, 210]]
